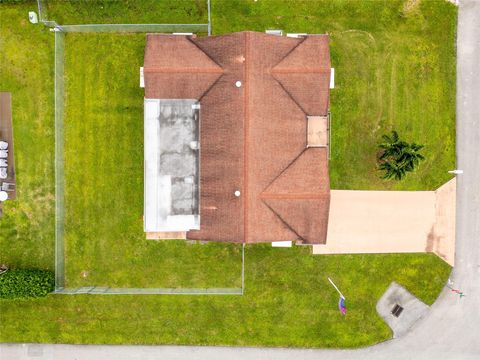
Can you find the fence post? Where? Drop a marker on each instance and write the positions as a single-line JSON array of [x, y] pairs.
[[209, 19]]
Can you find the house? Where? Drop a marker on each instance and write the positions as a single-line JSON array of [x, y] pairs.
[[236, 137]]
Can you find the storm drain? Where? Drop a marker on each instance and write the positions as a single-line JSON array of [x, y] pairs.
[[397, 310]]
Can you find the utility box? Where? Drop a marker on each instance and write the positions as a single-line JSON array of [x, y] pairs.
[[32, 17], [281, 244]]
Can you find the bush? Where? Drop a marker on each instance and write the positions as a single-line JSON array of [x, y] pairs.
[[22, 284], [398, 157]]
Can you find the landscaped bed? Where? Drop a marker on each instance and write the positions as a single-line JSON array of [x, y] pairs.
[[288, 300]]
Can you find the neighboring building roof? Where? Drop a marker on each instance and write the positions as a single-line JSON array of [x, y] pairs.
[[6, 135], [252, 138]]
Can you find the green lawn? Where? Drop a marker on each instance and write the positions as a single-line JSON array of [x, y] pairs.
[[288, 301], [26, 70], [127, 12], [104, 235]]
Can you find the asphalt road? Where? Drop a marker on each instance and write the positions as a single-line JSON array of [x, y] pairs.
[[451, 329]]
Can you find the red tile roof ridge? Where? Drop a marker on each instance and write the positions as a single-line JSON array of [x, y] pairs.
[[289, 227], [294, 195], [189, 38], [290, 95], [264, 191], [181, 70], [290, 70], [246, 142], [294, 61], [184, 44], [209, 88], [292, 209], [288, 53]]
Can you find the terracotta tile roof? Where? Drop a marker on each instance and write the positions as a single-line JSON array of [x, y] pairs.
[[175, 68], [305, 74], [300, 195], [311, 55], [252, 138], [309, 90]]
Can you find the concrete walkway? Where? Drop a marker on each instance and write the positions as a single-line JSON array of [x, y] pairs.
[[392, 222]]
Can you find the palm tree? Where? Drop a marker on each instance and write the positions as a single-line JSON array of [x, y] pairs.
[[389, 145], [411, 157], [398, 157], [392, 170]]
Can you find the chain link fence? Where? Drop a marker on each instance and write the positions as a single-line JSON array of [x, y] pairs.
[[60, 32], [131, 28], [201, 28], [59, 160], [95, 290]]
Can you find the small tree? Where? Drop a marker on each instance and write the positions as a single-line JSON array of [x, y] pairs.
[[398, 157]]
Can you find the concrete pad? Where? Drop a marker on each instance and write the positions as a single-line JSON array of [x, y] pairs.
[[378, 221], [413, 309], [441, 241], [392, 222]]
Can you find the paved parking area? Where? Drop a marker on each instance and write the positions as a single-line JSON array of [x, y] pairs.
[[392, 222]]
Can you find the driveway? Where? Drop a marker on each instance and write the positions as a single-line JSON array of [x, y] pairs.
[[392, 222], [449, 331]]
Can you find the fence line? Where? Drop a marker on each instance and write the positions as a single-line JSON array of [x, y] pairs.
[[59, 160], [125, 27], [59, 89], [142, 28], [40, 10], [209, 19], [95, 290]]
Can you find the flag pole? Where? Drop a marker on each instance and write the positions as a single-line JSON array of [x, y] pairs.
[[336, 288]]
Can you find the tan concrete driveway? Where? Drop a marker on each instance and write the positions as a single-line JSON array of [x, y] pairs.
[[392, 222]]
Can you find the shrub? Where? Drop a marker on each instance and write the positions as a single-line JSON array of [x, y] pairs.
[[398, 157], [22, 283]]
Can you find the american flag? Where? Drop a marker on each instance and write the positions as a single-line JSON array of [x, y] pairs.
[[341, 305]]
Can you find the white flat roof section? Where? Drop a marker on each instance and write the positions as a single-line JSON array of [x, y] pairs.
[[171, 156]]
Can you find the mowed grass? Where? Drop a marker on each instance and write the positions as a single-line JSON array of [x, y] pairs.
[[394, 69], [26, 70], [288, 300], [105, 243], [127, 12]]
